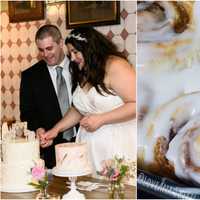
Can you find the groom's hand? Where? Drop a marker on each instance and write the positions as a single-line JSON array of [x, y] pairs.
[[46, 143], [40, 132]]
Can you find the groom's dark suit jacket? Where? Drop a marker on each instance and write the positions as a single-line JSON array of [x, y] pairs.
[[39, 105]]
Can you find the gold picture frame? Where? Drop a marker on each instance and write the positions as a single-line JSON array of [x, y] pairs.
[[96, 13], [21, 11]]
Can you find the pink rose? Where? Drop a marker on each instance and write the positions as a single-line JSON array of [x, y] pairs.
[[115, 176], [38, 172], [117, 173]]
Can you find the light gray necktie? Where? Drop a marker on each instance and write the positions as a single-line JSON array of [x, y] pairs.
[[63, 98]]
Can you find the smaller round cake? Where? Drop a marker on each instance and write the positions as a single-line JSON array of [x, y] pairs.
[[72, 159]]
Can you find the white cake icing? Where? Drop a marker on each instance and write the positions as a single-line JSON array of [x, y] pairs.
[[159, 123], [72, 158], [168, 85], [19, 156], [189, 134]]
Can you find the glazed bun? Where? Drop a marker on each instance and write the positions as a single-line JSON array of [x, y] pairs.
[[168, 140]]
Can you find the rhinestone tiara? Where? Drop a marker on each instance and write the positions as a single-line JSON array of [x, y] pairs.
[[77, 37]]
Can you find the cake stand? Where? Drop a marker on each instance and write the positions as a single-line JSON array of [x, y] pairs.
[[73, 193]]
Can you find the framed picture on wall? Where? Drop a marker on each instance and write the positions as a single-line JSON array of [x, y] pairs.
[[20, 11], [96, 13]]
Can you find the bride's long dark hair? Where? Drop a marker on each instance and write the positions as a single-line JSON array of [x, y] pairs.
[[96, 49]]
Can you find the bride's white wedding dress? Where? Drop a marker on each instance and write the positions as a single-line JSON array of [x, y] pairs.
[[109, 140]]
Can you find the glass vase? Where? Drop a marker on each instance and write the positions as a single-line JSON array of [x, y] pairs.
[[116, 190], [43, 194]]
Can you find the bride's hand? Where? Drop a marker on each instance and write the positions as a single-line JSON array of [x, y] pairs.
[[51, 134], [91, 123]]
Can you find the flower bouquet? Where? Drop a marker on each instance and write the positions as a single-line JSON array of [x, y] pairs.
[[117, 170], [39, 179]]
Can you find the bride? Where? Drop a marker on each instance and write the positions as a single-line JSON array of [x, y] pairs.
[[103, 98]]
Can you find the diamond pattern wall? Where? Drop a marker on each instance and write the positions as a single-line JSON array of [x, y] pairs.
[[18, 50]]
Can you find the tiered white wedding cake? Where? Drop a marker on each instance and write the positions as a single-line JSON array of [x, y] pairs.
[[72, 158], [19, 155]]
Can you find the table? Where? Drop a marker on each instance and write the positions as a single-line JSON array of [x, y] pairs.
[[57, 185]]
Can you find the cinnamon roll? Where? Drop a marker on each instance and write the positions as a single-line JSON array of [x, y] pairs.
[[184, 151], [158, 133], [168, 33]]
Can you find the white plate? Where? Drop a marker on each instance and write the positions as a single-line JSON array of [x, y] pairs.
[[14, 190], [57, 172]]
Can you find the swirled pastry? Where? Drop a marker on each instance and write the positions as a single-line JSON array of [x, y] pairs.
[[160, 128], [184, 151], [168, 33]]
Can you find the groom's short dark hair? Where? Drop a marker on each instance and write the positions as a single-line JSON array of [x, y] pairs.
[[48, 30]]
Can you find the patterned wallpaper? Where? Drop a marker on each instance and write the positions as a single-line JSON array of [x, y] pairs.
[[18, 50]]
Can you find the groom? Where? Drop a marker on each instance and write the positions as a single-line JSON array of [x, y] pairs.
[[45, 90]]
